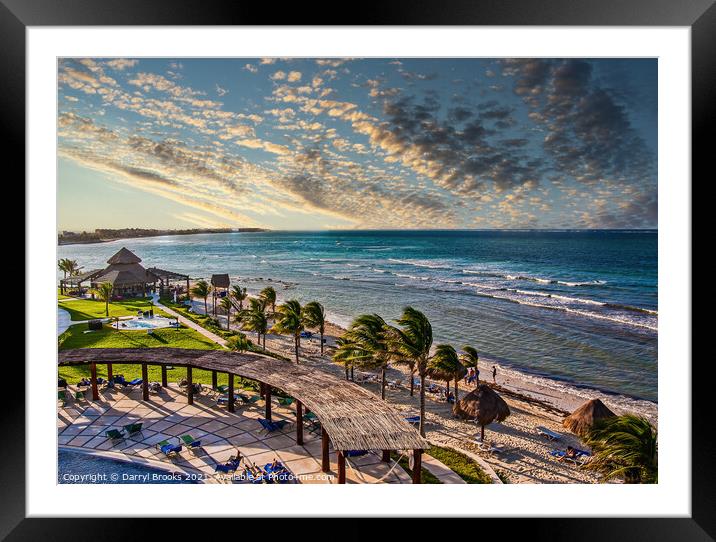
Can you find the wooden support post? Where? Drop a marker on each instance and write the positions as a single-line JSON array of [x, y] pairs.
[[299, 422], [325, 459], [417, 466], [231, 392], [164, 376], [110, 375], [386, 456], [145, 383], [93, 378], [189, 387], [267, 398], [213, 380], [341, 467]]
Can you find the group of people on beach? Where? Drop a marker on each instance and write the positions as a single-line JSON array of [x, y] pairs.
[[473, 375]]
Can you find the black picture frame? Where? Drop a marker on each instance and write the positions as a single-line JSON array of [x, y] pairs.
[[699, 15]]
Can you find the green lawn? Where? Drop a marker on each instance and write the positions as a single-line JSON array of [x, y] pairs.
[[108, 337], [87, 309], [62, 296], [461, 464]]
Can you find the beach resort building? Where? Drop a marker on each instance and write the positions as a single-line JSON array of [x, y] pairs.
[[127, 276]]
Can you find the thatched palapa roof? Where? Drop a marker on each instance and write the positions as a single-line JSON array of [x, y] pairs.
[[482, 404], [354, 418], [583, 418], [124, 269], [124, 256], [220, 281]]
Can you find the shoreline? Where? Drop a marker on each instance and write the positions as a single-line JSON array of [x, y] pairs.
[[560, 395], [159, 233]]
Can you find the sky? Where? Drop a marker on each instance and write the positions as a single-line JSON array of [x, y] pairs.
[[380, 143]]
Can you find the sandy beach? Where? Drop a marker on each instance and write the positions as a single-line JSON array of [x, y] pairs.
[[524, 454]]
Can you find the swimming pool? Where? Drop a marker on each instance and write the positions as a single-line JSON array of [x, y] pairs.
[[74, 467], [145, 323]]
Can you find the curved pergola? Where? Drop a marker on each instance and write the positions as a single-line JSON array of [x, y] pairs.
[[351, 417]]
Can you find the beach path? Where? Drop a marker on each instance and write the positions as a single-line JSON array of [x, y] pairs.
[[441, 471], [188, 323]]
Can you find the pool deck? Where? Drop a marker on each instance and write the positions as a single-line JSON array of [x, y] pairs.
[[167, 416]]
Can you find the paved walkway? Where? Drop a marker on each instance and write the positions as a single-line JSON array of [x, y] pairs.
[[188, 323], [441, 471], [167, 416]]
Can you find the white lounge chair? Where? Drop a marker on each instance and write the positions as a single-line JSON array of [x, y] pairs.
[[489, 448]]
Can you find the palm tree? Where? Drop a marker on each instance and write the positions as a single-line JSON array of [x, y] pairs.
[[62, 265], [315, 317], [469, 358], [104, 293], [344, 353], [227, 305], [413, 341], [202, 289], [239, 294], [73, 268], [254, 319], [68, 267], [290, 321], [365, 345], [445, 365], [268, 294], [624, 447], [238, 343]]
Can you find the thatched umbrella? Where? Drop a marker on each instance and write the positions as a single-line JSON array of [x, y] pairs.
[[582, 419], [484, 405]]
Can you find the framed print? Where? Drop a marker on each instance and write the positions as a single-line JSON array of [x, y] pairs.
[[442, 248]]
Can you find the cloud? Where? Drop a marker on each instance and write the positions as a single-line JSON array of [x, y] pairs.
[[558, 147], [121, 64], [279, 75], [589, 134]]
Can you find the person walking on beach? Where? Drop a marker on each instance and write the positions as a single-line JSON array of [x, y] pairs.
[[494, 374]]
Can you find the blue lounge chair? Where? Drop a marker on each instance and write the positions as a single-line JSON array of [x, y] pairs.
[[273, 426], [169, 449], [190, 442], [355, 453], [134, 382], [230, 466], [119, 379], [580, 456], [413, 420]]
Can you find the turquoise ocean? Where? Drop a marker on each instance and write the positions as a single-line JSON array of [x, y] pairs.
[[577, 308]]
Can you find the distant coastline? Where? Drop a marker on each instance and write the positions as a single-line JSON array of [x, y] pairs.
[[106, 235]]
